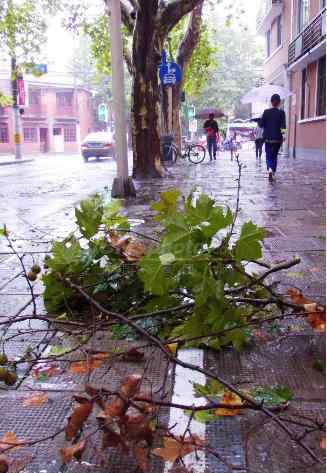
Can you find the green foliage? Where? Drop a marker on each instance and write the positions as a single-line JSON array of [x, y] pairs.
[[193, 258], [22, 30], [95, 264], [202, 61], [89, 216], [197, 260], [238, 60]]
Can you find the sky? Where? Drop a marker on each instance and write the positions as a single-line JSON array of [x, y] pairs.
[[61, 43]]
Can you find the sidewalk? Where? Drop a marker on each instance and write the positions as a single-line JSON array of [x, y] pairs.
[[292, 210]]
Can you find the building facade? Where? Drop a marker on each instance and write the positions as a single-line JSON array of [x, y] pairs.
[[295, 35], [57, 116]]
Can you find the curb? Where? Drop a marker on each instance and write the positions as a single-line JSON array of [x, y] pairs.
[[20, 161]]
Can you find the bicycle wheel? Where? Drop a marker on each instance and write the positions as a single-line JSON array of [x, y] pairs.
[[196, 154]]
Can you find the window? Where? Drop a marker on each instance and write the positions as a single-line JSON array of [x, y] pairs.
[[303, 93], [321, 87], [34, 97], [70, 134], [279, 30], [64, 99], [268, 43], [303, 14], [30, 135], [4, 136]]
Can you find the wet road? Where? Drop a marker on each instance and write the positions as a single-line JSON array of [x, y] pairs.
[[36, 194]]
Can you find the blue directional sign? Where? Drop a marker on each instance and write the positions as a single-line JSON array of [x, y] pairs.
[[170, 73]]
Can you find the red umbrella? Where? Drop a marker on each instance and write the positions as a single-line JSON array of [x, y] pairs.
[[205, 112]]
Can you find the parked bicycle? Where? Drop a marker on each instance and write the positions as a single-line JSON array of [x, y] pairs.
[[193, 152]]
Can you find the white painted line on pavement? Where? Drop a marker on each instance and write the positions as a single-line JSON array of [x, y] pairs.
[[183, 393]]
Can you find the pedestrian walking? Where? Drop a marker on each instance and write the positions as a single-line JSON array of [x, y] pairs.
[[232, 145], [212, 131], [274, 126], [258, 139]]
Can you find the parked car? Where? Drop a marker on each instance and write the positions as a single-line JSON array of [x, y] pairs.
[[97, 145]]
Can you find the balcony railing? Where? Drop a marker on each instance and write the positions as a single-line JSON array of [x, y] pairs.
[[268, 7], [313, 34], [66, 110]]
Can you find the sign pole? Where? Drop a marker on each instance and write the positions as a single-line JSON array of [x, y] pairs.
[[17, 118], [123, 185]]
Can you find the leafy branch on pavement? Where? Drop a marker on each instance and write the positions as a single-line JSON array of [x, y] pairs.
[[200, 282]]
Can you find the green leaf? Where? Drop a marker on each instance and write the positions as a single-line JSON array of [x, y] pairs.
[[272, 396], [89, 215], [212, 389], [202, 416], [66, 256], [55, 294], [167, 204], [248, 247], [156, 279], [111, 216]]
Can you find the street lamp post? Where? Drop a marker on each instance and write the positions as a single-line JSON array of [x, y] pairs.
[[123, 184]]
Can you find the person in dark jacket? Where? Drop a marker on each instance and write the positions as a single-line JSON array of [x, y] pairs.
[[274, 126], [212, 132]]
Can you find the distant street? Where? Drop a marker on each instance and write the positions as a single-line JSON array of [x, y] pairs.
[[34, 195]]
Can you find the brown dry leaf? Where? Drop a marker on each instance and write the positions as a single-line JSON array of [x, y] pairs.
[[119, 242], [138, 428], [179, 469], [9, 440], [316, 312], [76, 451], [316, 316], [91, 391], [77, 419], [36, 400], [4, 463], [85, 367], [142, 458], [133, 355], [323, 443], [46, 371], [232, 400], [131, 385], [116, 408], [297, 297], [174, 449], [19, 464], [112, 439], [134, 251]]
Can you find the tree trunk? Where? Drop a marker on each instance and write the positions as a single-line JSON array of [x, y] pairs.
[[177, 126], [145, 95]]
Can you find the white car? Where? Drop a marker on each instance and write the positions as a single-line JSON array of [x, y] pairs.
[[97, 145]]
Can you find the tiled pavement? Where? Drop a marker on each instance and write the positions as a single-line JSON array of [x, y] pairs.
[[292, 209]]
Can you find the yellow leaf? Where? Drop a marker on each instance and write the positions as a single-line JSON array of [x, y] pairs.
[[172, 347], [36, 400], [231, 399]]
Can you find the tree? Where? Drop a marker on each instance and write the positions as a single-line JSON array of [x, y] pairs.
[[194, 53], [239, 58]]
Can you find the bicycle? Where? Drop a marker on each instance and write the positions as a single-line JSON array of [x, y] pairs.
[[193, 152]]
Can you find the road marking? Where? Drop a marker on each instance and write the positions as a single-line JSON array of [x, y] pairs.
[[183, 393]]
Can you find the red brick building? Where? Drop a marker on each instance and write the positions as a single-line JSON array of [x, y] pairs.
[[58, 115], [295, 34]]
